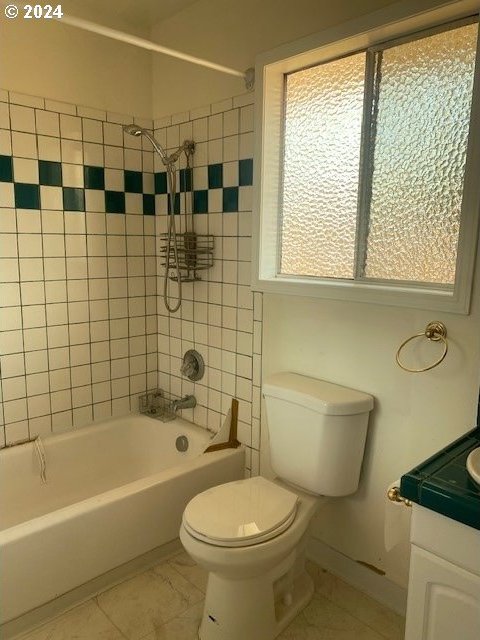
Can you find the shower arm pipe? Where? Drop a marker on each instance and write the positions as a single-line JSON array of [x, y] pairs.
[[115, 34]]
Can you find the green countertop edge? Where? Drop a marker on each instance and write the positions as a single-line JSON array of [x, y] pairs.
[[422, 486]]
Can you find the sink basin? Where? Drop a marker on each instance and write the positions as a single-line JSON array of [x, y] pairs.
[[473, 464]]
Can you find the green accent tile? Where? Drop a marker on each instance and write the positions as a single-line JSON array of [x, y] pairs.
[[200, 201], [455, 476], [442, 483], [73, 199], [50, 173], [6, 169], [215, 176], [133, 181], [161, 182], [176, 204], [114, 201], [148, 204], [245, 172], [185, 180], [27, 196], [230, 199], [94, 177]]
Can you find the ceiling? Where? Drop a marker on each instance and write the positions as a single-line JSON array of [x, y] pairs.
[[139, 14]]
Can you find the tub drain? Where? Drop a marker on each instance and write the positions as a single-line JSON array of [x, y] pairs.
[[181, 443]]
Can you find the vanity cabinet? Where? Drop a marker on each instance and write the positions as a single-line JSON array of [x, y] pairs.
[[444, 582]]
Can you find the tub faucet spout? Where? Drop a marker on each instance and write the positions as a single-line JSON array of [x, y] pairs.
[[188, 402]]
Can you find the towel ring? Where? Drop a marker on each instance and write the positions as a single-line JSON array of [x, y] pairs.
[[434, 331]]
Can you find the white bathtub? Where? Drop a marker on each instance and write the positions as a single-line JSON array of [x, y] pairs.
[[115, 490]]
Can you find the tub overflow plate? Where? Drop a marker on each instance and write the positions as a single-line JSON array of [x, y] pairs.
[[181, 443]]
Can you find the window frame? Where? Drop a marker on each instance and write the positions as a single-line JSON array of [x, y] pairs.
[[391, 25]]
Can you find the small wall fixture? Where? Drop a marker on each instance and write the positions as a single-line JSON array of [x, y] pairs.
[[434, 331], [193, 366]]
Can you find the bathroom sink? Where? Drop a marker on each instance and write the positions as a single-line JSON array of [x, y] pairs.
[[473, 464]]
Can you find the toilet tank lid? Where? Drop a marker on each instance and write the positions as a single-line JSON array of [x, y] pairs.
[[319, 395]]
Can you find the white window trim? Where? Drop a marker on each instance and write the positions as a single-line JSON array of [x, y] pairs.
[[387, 24]]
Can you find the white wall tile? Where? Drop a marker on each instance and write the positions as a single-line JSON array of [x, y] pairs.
[[4, 115], [47, 123], [114, 159], [24, 145], [14, 388], [72, 151], [12, 365], [49, 148], [92, 131], [88, 112], [93, 154], [36, 361], [113, 134], [60, 107], [5, 142], [28, 221], [15, 410], [51, 197], [70, 127], [72, 175], [22, 118]]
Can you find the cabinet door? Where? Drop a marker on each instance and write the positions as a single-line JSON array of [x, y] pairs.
[[443, 600]]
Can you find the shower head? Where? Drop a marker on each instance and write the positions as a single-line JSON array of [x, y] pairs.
[[135, 130]]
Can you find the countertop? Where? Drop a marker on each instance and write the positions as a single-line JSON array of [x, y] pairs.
[[442, 482]]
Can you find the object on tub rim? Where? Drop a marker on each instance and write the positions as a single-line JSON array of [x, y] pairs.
[[232, 442]]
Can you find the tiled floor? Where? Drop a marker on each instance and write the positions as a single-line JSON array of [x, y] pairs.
[[165, 603]]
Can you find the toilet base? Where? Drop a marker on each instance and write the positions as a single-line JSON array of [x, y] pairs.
[[240, 609]]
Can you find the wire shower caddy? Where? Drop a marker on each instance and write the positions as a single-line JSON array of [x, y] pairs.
[[194, 251]]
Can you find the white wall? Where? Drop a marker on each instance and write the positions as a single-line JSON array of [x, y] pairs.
[[55, 61], [233, 33], [354, 344]]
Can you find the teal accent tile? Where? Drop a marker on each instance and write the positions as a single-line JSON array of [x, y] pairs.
[[230, 199], [27, 196], [442, 483], [73, 199], [215, 176], [50, 173], [185, 180], [176, 204], [200, 201], [133, 181], [114, 201], [6, 169], [161, 182], [94, 177], [148, 204], [245, 172]]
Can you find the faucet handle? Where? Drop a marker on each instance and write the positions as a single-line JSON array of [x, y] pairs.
[[188, 368], [192, 366]]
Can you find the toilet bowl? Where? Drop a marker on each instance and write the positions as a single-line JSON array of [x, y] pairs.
[[250, 536]]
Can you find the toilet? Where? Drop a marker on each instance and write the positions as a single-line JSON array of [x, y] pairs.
[[251, 535]]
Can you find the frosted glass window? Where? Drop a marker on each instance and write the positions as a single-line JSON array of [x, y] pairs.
[[323, 124], [375, 148], [422, 124]]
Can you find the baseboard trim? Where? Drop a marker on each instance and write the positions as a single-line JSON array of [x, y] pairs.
[[376, 586]]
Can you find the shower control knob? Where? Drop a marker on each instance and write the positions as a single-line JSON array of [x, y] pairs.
[[188, 369], [193, 366]]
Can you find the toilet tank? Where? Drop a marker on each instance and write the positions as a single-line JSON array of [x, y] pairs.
[[317, 432]]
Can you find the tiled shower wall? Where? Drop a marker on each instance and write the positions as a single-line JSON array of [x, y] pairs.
[[220, 316], [78, 323]]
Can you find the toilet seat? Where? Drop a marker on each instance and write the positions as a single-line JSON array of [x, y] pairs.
[[240, 513]]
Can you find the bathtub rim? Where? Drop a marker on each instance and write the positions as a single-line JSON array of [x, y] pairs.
[[68, 512]]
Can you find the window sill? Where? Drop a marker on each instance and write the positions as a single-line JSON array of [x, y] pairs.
[[369, 293]]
